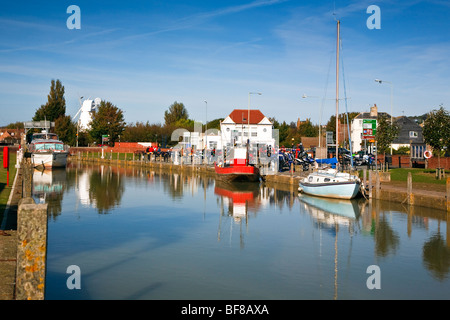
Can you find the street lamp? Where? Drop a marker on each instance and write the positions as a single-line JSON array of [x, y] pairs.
[[392, 94], [248, 117]]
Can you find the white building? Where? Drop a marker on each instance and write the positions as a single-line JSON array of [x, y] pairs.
[[358, 132], [243, 124]]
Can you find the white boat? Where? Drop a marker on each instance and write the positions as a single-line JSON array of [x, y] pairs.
[[48, 151], [331, 183]]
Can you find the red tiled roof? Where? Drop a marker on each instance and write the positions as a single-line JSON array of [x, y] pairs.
[[5, 135], [239, 116]]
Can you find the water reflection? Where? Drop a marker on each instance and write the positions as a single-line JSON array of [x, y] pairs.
[[48, 187], [392, 235], [234, 200]]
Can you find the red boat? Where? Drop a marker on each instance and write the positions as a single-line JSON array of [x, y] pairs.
[[239, 169]]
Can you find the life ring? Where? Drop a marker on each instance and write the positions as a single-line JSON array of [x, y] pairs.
[[427, 154]]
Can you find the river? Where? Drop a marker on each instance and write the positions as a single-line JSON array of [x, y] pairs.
[[136, 233]]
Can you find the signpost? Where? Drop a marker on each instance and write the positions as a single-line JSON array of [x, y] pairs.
[[105, 138], [369, 129]]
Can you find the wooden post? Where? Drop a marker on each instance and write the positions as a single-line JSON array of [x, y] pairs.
[[448, 196], [409, 189], [377, 185]]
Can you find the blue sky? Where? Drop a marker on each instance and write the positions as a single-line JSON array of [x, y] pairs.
[[144, 55]]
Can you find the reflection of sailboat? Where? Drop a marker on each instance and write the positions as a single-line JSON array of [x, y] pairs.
[[48, 183], [332, 213], [331, 210]]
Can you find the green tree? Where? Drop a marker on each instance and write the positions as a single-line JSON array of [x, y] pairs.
[[331, 124], [55, 106], [436, 130], [386, 133], [283, 132], [214, 124], [66, 130], [144, 132], [15, 125], [176, 112], [107, 119]]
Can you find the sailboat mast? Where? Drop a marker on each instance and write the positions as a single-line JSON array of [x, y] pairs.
[[337, 93]]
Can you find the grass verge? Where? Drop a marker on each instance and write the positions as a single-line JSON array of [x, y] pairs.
[[418, 175]]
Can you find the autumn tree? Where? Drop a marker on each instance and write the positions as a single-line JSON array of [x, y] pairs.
[[107, 119], [55, 106]]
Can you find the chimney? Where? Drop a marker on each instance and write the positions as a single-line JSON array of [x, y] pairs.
[[374, 111]]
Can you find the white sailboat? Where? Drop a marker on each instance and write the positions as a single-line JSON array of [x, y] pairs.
[[331, 183]]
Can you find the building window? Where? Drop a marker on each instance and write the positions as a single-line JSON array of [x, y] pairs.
[[254, 134], [413, 134]]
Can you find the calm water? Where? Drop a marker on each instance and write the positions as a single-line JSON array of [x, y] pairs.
[[142, 234]]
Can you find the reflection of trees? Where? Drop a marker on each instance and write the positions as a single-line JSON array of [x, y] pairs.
[[436, 257], [179, 183], [386, 240], [105, 190]]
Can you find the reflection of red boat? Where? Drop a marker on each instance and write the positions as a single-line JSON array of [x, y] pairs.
[[236, 196], [239, 170], [240, 195]]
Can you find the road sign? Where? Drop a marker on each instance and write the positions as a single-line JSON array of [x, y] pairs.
[[105, 138], [329, 135], [369, 128]]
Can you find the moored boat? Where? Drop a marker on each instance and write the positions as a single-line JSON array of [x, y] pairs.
[[239, 169], [331, 183], [47, 151]]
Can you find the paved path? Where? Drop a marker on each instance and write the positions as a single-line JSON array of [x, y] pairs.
[[8, 253]]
